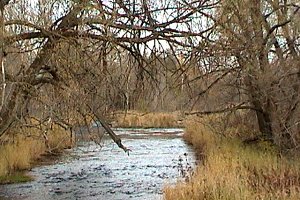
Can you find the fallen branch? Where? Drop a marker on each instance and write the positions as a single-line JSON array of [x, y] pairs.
[[112, 134]]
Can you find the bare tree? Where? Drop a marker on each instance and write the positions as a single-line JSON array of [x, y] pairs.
[[255, 51], [56, 44]]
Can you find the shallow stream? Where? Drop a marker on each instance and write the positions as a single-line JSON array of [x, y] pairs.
[[159, 157]]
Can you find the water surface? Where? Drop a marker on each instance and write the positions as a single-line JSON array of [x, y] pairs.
[[90, 171]]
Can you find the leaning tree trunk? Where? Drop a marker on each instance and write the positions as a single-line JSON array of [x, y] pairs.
[[20, 92]]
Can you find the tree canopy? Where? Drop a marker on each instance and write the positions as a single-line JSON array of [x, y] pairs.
[[65, 60]]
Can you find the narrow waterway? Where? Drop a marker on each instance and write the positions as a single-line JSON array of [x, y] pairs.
[[89, 171]]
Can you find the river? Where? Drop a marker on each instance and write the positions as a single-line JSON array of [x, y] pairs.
[[90, 171]]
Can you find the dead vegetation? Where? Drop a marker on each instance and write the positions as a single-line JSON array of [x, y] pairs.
[[148, 120], [232, 169], [20, 152]]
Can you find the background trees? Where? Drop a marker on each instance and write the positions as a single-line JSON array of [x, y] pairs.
[[66, 59], [257, 48]]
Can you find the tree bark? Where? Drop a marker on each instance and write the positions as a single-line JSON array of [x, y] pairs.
[[263, 113]]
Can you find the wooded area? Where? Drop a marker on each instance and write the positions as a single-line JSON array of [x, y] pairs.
[[65, 62]]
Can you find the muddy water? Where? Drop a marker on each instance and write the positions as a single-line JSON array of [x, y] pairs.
[[90, 171]]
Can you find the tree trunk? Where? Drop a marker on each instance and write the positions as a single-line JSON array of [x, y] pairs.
[[21, 91], [265, 125], [263, 113]]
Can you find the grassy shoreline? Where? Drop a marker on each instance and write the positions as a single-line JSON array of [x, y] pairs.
[[138, 119], [25, 148], [16, 177], [231, 169], [28, 148]]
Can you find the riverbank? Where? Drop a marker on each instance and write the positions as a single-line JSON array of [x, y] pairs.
[[90, 171], [232, 169], [23, 149], [138, 119]]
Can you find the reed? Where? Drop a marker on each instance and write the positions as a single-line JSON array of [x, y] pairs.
[[21, 149], [232, 169]]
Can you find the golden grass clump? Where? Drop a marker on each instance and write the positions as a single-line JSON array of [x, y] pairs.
[[59, 139], [147, 120], [21, 149], [17, 156], [234, 170]]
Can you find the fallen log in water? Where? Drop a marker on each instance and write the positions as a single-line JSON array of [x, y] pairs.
[[112, 134]]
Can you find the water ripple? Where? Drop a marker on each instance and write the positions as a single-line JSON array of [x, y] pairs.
[[91, 172]]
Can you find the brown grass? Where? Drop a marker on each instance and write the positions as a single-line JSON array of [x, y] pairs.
[[20, 151], [233, 170], [148, 120]]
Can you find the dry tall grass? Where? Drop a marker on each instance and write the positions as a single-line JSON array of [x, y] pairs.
[[148, 120], [19, 153], [233, 170]]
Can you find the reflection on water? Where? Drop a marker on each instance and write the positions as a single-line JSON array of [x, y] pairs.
[[93, 172]]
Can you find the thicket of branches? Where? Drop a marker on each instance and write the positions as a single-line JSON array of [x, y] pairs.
[[73, 60]]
